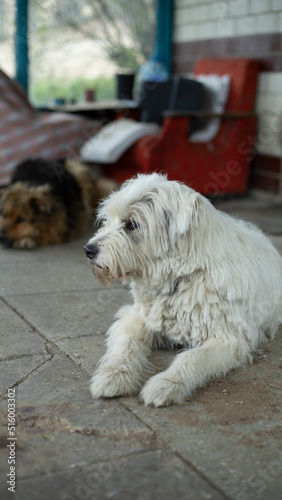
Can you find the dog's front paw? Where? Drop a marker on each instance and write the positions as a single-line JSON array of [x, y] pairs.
[[109, 382], [25, 244], [162, 391]]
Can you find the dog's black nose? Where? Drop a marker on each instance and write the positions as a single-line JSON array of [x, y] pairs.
[[91, 251]]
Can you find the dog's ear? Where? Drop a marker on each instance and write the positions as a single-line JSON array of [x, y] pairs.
[[41, 200], [184, 213]]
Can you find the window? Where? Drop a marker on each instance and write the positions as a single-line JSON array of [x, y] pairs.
[[76, 45], [7, 36]]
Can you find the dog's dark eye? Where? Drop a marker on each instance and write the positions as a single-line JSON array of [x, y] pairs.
[[132, 225], [100, 222], [19, 220]]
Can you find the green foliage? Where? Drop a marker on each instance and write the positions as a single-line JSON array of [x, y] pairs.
[[44, 92]]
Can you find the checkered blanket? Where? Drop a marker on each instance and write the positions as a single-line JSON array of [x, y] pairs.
[[27, 133]]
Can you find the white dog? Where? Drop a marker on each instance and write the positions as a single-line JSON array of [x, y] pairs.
[[198, 277]]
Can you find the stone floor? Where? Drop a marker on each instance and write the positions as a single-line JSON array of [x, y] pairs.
[[222, 444]]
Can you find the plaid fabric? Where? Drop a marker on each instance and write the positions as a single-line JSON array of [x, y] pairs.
[[27, 133]]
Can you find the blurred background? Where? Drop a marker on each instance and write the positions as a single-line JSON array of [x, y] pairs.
[[78, 45]]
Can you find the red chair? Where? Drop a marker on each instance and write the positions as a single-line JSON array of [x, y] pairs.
[[219, 166]]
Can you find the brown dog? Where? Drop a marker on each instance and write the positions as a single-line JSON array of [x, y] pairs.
[[49, 202]]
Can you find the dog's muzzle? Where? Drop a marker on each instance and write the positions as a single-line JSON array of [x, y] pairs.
[[102, 273], [91, 251]]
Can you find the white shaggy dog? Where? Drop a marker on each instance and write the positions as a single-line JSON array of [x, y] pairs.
[[198, 277]]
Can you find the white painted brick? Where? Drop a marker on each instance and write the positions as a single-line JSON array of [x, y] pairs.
[[186, 33], [177, 18], [268, 103], [260, 6], [193, 32], [207, 30], [219, 10], [184, 3], [262, 105], [275, 84], [280, 23], [183, 16], [202, 13], [238, 8], [267, 23], [189, 16], [277, 5], [223, 9], [226, 28], [264, 82], [246, 25], [181, 3], [268, 136], [178, 35]]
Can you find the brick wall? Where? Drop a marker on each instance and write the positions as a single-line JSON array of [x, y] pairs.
[[240, 28], [201, 19], [267, 171]]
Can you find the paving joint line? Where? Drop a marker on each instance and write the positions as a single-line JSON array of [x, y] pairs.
[[16, 384], [63, 292], [46, 339], [20, 356], [179, 455], [82, 468]]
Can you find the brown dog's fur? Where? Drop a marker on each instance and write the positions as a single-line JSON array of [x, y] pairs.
[[34, 215]]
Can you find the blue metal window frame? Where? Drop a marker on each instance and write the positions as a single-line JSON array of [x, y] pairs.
[[164, 32], [163, 50], [21, 43]]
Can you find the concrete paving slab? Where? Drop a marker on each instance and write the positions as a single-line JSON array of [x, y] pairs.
[[49, 442], [143, 476], [230, 430], [41, 254], [62, 447], [40, 277], [224, 443], [84, 351], [71, 314], [265, 214], [59, 426], [60, 388], [18, 338], [277, 242], [12, 255], [273, 350], [87, 352], [14, 370], [52, 252]]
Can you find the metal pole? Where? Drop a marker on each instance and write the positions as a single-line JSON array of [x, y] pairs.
[[164, 32], [22, 43]]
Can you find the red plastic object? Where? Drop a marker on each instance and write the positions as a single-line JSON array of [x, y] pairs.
[[219, 166]]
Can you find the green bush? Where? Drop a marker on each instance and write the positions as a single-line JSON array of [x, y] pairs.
[[43, 92]]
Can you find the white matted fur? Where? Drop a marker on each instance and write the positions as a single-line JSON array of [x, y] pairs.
[[198, 278]]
